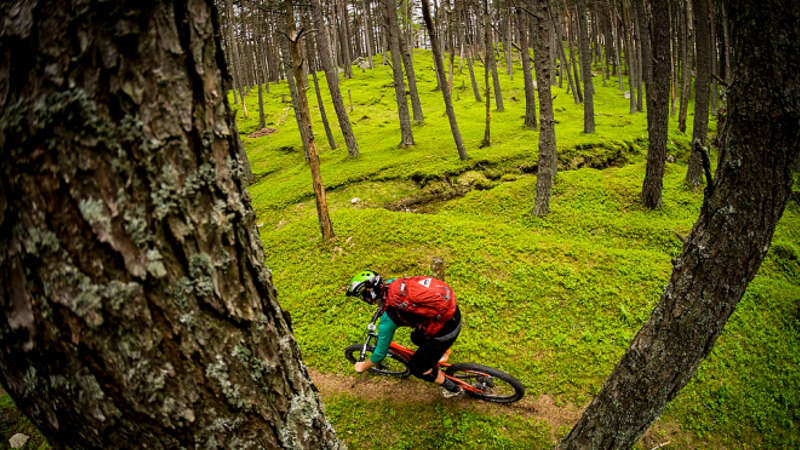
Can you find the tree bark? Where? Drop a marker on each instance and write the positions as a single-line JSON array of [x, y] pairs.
[[475, 89], [657, 106], [448, 102], [487, 135], [136, 307], [408, 62], [548, 160], [574, 59], [586, 69], [392, 32], [630, 57], [492, 61], [325, 224], [686, 65], [311, 51], [728, 242], [367, 6], [530, 96], [332, 76], [702, 29]]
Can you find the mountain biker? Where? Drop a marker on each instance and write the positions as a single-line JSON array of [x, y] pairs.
[[424, 303]]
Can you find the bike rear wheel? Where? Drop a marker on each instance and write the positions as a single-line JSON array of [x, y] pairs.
[[393, 365], [488, 383]]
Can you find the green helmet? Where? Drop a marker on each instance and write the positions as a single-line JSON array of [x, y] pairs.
[[368, 285]]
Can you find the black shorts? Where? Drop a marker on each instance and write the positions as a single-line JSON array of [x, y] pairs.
[[431, 349]]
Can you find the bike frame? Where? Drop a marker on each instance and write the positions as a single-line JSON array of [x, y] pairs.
[[406, 353]]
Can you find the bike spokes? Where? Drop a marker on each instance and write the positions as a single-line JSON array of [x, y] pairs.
[[486, 383]]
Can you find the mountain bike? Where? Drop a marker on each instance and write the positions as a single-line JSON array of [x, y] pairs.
[[479, 381]]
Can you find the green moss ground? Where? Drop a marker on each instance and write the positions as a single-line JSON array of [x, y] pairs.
[[555, 301]]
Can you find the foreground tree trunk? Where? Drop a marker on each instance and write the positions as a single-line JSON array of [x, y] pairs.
[[728, 242], [437, 60], [657, 106], [135, 305], [548, 160]]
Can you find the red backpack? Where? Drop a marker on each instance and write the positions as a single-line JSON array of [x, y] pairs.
[[424, 296]]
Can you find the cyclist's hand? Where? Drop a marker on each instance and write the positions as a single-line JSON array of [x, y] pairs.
[[361, 366]]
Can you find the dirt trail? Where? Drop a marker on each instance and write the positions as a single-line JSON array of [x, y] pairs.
[[541, 407]]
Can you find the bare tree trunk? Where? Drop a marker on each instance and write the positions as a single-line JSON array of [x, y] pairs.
[[408, 63], [565, 64], [573, 58], [332, 77], [729, 240], [367, 6], [136, 307], [487, 135], [586, 69], [392, 32], [344, 37], [507, 47], [702, 27], [492, 61], [657, 106], [310, 50], [548, 159], [475, 89], [630, 56], [325, 225], [288, 65], [448, 102], [530, 97], [686, 65]]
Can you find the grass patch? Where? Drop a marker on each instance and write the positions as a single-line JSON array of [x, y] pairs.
[[554, 300]]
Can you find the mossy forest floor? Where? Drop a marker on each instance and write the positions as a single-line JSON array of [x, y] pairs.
[[554, 300]]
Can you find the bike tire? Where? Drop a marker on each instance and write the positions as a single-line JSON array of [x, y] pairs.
[[393, 365], [493, 385]]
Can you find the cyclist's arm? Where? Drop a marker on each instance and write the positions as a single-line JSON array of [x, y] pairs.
[[386, 329]]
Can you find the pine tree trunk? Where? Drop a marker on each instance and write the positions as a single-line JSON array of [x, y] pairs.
[[530, 97], [728, 242], [586, 69], [492, 61], [630, 57], [487, 135], [367, 6], [325, 225], [702, 27], [475, 89], [408, 63], [448, 102], [136, 308], [548, 160], [565, 64], [311, 51], [574, 59], [392, 32], [657, 106], [686, 65], [332, 76]]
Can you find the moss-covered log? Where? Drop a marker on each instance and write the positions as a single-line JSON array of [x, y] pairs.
[[136, 307]]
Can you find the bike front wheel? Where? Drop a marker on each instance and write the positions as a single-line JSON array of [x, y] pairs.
[[487, 383], [393, 365]]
